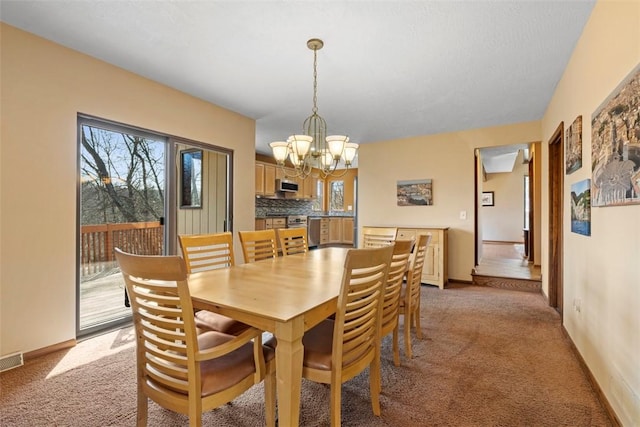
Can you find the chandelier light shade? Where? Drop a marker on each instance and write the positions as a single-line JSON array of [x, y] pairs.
[[314, 150]]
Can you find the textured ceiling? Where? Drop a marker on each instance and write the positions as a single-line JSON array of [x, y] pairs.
[[389, 69]]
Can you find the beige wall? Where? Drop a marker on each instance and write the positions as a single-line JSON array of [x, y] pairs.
[[601, 271], [448, 159], [44, 87]]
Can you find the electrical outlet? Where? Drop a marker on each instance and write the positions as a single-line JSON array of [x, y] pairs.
[[577, 304], [463, 214]]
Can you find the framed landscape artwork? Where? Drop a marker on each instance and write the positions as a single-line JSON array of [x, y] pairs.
[[615, 146], [573, 157], [581, 207], [418, 192]]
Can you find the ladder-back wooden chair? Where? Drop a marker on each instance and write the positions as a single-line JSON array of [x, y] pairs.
[[337, 350], [203, 252], [258, 245], [410, 298], [293, 240], [393, 288], [177, 368], [375, 237]]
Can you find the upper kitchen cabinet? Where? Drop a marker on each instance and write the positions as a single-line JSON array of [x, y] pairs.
[[265, 179], [310, 187]]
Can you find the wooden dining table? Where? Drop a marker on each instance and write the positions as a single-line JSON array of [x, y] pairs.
[[286, 296]]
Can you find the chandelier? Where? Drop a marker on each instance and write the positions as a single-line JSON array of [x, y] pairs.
[[313, 149]]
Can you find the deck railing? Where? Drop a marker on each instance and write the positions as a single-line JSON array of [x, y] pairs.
[[97, 243]]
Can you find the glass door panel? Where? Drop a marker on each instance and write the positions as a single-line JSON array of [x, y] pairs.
[[121, 204]]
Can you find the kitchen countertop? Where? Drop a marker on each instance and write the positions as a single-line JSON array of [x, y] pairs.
[[309, 216]]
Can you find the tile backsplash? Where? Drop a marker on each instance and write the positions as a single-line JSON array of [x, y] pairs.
[[266, 207]]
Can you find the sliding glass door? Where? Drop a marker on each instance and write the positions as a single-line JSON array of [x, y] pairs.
[[137, 190], [122, 204]]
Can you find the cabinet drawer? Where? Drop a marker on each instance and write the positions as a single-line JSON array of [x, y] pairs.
[[279, 222], [406, 234]]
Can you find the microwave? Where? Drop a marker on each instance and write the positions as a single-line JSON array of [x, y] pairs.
[[286, 186]]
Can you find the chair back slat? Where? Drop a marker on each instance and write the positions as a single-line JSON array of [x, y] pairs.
[[357, 324], [258, 245], [397, 270], [414, 275], [293, 240], [375, 237], [207, 251], [159, 296]]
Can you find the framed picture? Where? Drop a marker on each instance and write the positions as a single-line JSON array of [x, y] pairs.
[[615, 146], [417, 192], [573, 146], [487, 198], [191, 179], [581, 207]]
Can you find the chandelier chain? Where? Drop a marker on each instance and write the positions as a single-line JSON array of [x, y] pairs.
[[314, 110]]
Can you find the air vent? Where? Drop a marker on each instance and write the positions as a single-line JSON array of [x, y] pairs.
[[11, 361]]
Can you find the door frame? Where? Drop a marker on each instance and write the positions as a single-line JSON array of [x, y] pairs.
[[556, 206]]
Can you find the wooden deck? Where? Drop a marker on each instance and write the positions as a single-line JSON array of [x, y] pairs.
[[102, 298]]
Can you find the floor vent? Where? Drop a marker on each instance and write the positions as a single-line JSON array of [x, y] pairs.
[[11, 361]]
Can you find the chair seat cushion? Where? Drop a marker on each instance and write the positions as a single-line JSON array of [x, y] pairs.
[[318, 345], [210, 321], [223, 372]]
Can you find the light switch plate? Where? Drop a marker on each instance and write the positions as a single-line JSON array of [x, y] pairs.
[[463, 214]]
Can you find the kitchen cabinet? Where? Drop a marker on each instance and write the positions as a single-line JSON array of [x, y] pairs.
[[436, 267], [310, 187], [347, 231], [341, 230], [335, 230], [324, 231], [259, 179], [265, 179]]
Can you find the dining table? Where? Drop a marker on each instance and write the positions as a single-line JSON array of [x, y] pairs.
[[286, 296]]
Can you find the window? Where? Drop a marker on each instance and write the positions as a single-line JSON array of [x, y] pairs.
[[318, 203], [336, 197]]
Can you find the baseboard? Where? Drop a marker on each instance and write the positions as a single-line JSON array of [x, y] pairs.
[[613, 417], [464, 282], [50, 349]]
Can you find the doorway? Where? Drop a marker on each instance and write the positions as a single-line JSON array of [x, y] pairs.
[[504, 224]]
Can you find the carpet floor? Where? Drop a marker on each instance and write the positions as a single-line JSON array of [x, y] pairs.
[[488, 357]]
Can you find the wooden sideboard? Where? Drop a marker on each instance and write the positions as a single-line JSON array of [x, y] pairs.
[[436, 268]]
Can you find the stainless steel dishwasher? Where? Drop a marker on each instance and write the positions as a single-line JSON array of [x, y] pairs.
[[313, 231]]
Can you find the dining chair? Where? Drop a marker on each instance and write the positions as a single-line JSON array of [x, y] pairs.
[[374, 237], [177, 368], [410, 295], [293, 240], [391, 303], [203, 252], [337, 350], [258, 245]]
